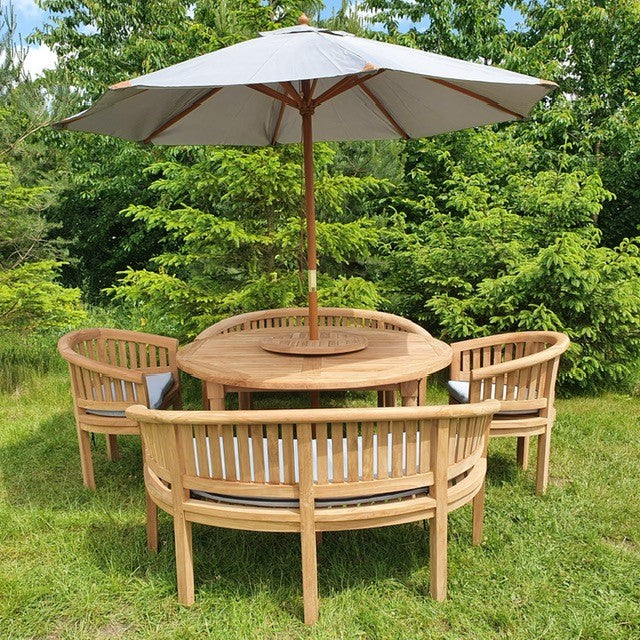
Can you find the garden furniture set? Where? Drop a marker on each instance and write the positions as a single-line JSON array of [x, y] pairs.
[[313, 470]]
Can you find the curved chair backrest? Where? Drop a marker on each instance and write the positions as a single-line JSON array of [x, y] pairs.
[[108, 367], [327, 317], [519, 369]]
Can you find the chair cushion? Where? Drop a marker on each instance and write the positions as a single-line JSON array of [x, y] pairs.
[[320, 502], [157, 386], [459, 391]]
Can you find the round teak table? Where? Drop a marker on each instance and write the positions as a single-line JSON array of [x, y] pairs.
[[237, 362]]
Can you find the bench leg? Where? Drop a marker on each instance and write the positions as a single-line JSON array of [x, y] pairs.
[[152, 523], [438, 555], [309, 575], [184, 559], [522, 454], [478, 515]]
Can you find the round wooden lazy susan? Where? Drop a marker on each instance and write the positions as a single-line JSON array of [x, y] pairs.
[[328, 343]]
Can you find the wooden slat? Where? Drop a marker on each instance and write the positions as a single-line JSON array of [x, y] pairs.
[[272, 453], [352, 452], [229, 455], [200, 435], [383, 448], [321, 440], [397, 429], [411, 431], [287, 454], [242, 433], [336, 451], [258, 453], [367, 451]]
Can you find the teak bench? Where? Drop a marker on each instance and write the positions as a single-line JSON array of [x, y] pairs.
[[309, 471]]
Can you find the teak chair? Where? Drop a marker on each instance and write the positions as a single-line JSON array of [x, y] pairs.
[[309, 471], [110, 370], [327, 317], [519, 370]]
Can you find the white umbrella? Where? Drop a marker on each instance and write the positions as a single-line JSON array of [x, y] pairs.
[[334, 84]]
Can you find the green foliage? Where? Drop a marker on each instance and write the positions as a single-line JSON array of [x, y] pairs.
[[495, 251], [515, 226], [235, 244], [30, 297]]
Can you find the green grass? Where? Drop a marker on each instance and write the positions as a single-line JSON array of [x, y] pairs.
[[73, 564]]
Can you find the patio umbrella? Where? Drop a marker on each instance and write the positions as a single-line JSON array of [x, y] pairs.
[[332, 84]]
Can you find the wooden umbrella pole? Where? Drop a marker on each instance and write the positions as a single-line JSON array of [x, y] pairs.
[[306, 111]]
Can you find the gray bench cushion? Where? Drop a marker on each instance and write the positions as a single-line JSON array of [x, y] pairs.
[[320, 502], [333, 474], [157, 386], [459, 391]]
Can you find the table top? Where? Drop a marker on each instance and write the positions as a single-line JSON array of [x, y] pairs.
[[236, 359]]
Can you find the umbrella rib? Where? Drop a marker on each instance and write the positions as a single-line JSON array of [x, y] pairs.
[[276, 129], [185, 112], [348, 82], [477, 96], [272, 93], [289, 88], [384, 111]]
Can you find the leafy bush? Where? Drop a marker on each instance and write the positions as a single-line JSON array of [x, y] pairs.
[[500, 252]]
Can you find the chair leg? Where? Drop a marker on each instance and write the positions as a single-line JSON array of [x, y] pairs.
[[318, 538], [478, 516], [522, 453], [177, 401], [152, 523], [309, 575], [184, 559], [544, 450], [381, 398], [438, 555], [86, 463], [113, 451]]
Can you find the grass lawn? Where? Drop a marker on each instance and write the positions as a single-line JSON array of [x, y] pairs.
[[73, 563]]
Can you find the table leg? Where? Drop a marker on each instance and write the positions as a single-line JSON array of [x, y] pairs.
[[215, 396], [410, 393], [422, 392], [390, 398], [244, 400]]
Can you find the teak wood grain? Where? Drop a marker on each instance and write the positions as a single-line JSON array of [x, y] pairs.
[[520, 370], [108, 369], [229, 358], [437, 454]]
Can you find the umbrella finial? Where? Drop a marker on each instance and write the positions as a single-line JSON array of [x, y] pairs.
[[303, 19]]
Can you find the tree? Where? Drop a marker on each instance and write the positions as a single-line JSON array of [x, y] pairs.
[[236, 244]]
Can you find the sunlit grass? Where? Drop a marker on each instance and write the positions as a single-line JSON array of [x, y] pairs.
[[73, 564]]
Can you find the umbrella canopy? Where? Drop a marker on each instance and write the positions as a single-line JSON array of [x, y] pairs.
[[334, 84]]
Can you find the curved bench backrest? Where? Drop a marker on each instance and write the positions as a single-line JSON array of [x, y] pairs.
[[299, 317], [328, 454]]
